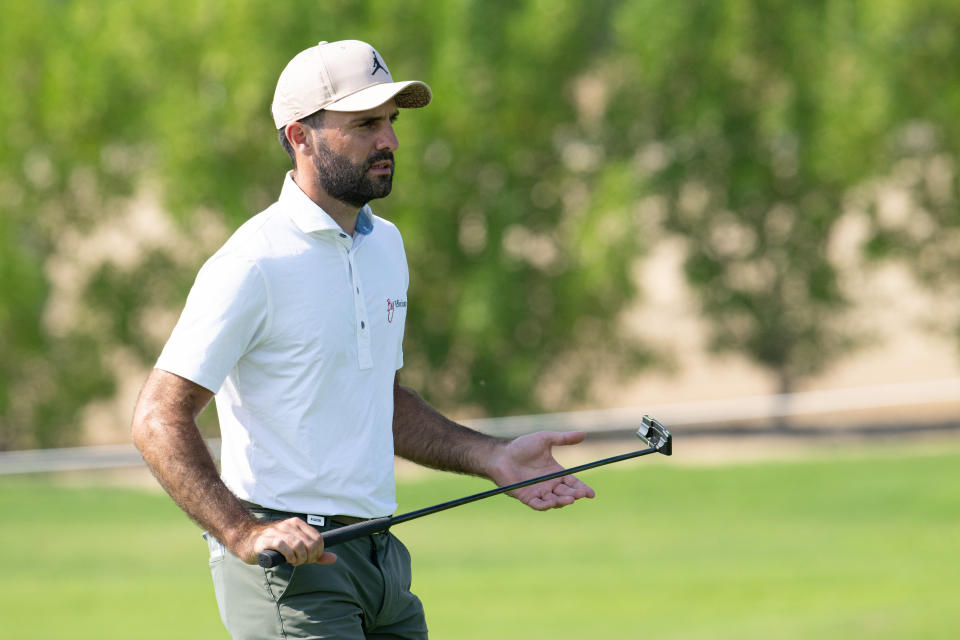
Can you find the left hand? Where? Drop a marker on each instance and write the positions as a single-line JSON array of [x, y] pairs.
[[530, 456]]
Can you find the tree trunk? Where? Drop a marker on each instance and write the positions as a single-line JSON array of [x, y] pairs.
[[781, 403]]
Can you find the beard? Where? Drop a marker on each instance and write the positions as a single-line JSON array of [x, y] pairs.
[[348, 182]]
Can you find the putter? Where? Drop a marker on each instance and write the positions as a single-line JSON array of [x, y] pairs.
[[657, 438]]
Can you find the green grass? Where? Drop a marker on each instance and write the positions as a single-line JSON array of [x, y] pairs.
[[863, 545]]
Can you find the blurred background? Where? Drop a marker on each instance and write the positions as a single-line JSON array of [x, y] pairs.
[[739, 216], [609, 204]]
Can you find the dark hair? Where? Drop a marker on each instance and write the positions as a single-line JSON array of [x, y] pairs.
[[314, 120]]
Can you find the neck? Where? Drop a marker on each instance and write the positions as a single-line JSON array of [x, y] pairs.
[[344, 214]]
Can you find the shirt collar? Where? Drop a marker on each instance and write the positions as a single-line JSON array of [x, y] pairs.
[[310, 217], [365, 221]]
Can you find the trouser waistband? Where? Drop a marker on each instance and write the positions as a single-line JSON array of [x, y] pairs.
[[337, 519]]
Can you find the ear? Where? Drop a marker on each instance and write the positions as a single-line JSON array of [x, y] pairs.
[[299, 137]]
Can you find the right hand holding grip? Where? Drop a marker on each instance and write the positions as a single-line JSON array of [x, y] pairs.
[[272, 558]]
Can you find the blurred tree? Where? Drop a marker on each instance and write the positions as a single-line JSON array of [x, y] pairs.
[[520, 250], [912, 208], [137, 135], [753, 120], [116, 109]]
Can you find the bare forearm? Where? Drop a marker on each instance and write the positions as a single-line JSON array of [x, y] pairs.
[[167, 436], [186, 471], [423, 435]]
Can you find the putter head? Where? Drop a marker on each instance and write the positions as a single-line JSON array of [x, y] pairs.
[[656, 435]]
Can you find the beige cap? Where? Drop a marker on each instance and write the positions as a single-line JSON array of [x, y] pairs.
[[340, 76]]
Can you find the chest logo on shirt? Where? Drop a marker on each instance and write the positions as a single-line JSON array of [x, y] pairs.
[[392, 305]]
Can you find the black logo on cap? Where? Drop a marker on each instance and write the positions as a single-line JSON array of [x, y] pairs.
[[378, 65]]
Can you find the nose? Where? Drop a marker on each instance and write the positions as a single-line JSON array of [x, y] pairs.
[[388, 138]]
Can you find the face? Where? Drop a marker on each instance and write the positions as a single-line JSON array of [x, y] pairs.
[[354, 154]]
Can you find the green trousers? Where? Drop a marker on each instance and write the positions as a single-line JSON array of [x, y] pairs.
[[365, 594]]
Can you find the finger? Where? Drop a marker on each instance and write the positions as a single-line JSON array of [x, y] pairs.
[[537, 503], [543, 497], [299, 542], [313, 541], [563, 489], [289, 553], [533, 497], [571, 486], [561, 494], [554, 501], [563, 438], [299, 553], [580, 489]]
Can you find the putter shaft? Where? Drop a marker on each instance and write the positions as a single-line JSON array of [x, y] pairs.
[[272, 558], [653, 433]]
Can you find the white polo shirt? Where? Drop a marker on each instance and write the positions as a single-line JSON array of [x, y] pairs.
[[298, 327]]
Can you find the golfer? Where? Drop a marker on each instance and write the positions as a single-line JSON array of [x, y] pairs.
[[296, 326]]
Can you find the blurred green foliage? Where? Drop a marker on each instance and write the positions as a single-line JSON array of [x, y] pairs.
[[564, 138]]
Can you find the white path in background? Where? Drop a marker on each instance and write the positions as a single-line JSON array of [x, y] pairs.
[[674, 415], [727, 410]]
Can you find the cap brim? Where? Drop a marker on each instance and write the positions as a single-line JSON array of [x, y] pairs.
[[411, 94]]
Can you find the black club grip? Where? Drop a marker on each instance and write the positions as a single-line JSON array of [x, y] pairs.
[[272, 558], [354, 531]]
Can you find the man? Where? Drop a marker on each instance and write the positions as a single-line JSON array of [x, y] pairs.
[[296, 324]]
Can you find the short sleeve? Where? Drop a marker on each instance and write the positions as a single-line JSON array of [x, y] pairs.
[[226, 312]]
